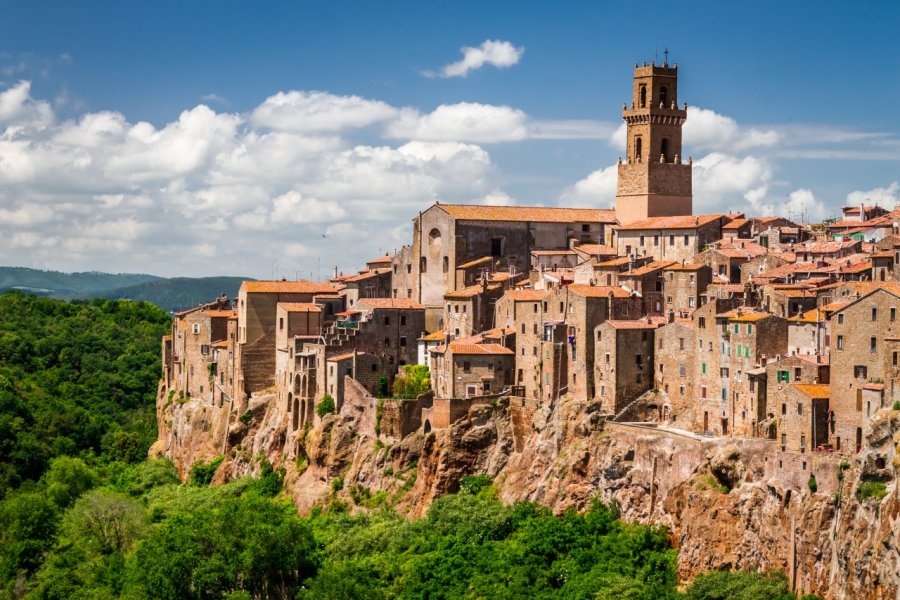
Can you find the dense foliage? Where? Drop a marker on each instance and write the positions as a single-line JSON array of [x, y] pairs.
[[413, 381], [75, 377], [83, 516]]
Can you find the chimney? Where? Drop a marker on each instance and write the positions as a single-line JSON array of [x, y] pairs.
[[335, 271]]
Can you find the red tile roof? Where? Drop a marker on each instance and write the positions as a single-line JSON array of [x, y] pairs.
[[813, 390], [300, 306], [458, 348], [221, 313], [537, 214], [597, 249], [526, 295], [636, 323], [469, 292], [401, 303], [288, 287], [681, 222], [598, 291]]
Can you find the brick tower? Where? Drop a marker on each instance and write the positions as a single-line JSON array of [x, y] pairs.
[[653, 182]]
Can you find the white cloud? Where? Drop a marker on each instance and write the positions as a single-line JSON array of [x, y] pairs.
[[310, 112], [465, 121], [597, 190], [724, 183], [801, 206], [885, 197], [498, 53], [708, 130], [17, 107]]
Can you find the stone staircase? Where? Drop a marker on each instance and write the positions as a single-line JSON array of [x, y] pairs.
[[337, 337], [636, 409]]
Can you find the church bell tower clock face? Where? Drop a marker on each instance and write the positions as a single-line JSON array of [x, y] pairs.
[[654, 180]]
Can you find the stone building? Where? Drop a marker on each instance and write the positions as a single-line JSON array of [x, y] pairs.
[[683, 285], [623, 368], [653, 181], [470, 310], [257, 304], [465, 370], [711, 409], [863, 360], [674, 358], [669, 238], [446, 236]]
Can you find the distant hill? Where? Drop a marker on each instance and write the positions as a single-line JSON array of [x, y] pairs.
[[174, 293], [179, 293], [66, 286]]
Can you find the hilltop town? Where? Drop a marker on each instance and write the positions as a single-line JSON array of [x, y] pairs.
[[758, 349]]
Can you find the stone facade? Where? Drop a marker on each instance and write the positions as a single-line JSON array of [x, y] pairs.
[[674, 358], [623, 369]]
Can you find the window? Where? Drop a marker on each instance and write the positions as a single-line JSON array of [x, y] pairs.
[[195, 328], [840, 342], [702, 322], [703, 391], [664, 100], [860, 371], [749, 328], [387, 342], [637, 149], [894, 361], [387, 320], [656, 240], [668, 299], [703, 368], [784, 375], [423, 265], [642, 240], [638, 359], [607, 358], [686, 240], [893, 314], [681, 343], [873, 344], [497, 246], [799, 408], [403, 341], [446, 264], [671, 240], [682, 370], [585, 227], [840, 318], [643, 96], [796, 374], [874, 314], [783, 408], [467, 367], [403, 319], [736, 328], [280, 323], [783, 441]]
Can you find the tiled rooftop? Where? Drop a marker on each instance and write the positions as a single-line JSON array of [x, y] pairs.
[[537, 214]]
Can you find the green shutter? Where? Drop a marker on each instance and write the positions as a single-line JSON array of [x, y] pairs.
[[703, 369], [736, 327], [749, 328]]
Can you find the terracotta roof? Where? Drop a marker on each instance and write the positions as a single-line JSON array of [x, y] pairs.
[[220, 313], [682, 222], [497, 332], [287, 287], [300, 306], [437, 336], [552, 252], [596, 249], [469, 292], [883, 254], [744, 316], [813, 390], [685, 267], [873, 386], [539, 214], [728, 287], [403, 303], [652, 267], [475, 263], [344, 356], [368, 274], [616, 262], [458, 348], [220, 344], [526, 295], [636, 323], [598, 291], [381, 259], [736, 224]]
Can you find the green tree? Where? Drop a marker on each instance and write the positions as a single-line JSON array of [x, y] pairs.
[[67, 479], [326, 406]]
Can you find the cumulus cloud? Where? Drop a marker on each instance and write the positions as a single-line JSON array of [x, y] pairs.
[[597, 190], [318, 112], [465, 121], [724, 183], [886, 197], [708, 130], [215, 192], [498, 53]]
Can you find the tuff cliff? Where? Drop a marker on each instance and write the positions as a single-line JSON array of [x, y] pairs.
[[729, 503]]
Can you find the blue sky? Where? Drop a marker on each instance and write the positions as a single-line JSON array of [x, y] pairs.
[[793, 109]]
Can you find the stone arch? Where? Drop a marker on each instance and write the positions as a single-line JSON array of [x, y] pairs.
[[427, 426], [296, 415], [297, 384], [643, 96], [772, 433], [664, 96], [434, 236], [664, 149], [637, 149]]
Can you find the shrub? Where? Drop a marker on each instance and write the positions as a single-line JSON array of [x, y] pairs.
[[871, 489], [382, 387], [896, 405], [246, 418], [337, 484], [474, 484], [813, 486], [326, 406], [412, 382], [388, 471], [202, 473]]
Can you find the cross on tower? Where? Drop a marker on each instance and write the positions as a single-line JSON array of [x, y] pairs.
[[666, 53]]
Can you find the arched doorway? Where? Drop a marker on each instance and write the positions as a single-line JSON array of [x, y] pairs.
[[427, 427]]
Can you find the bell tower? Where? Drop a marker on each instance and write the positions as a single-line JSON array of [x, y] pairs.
[[652, 180]]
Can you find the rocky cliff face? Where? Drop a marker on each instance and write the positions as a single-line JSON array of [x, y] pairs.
[[736, 504]]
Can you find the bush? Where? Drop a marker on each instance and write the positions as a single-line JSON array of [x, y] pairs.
[[202, 473], [813, 485], [474, 484], [337, 484], [326, 406], [871, 489], [896, 405], [719, 585], [412, 382], [246, 418], [382, 387]]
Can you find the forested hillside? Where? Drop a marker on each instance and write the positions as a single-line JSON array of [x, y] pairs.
[[83, 514]]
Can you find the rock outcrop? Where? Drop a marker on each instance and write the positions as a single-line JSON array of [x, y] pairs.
[[729, 503]]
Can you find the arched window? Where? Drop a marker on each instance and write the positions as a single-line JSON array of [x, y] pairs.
[[423, 264], [434, 236], [643, 96], [664, 149], [446, 264], [664, 96], [637, 149]]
